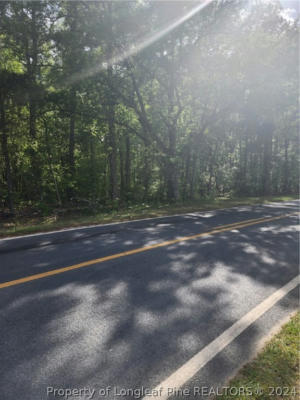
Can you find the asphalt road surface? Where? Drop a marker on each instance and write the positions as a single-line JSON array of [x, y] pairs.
[[107, 326]]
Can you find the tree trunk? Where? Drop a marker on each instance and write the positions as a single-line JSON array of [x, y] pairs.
[[146, 173], [267, 157], [50, 164], [112, 152], [122, 174], [127, 164], [172, 168], [244, 180], [93, 168], [111, 116], [32, 69], [187, 171], [72, 145], [6, 157], [286, 167], [71, 160], [192, 176], [72, 134], [172, 182]]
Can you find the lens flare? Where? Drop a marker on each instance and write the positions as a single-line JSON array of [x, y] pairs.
[[141, 45]]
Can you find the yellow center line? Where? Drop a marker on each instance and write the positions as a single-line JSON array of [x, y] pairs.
[[214, 231]]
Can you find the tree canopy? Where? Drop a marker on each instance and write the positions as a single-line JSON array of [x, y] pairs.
[[114, 103]]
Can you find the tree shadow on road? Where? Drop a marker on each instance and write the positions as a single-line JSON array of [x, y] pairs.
[[132, 321]]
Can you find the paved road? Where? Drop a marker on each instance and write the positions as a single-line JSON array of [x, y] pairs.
[[132, 321]]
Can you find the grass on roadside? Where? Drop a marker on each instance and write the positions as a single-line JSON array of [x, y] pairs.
[[274, 373], [20, 226]]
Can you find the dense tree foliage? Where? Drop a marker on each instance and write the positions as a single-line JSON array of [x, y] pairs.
[[111, 103]]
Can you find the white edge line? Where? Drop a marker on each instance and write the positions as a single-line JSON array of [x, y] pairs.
[[199, 360], [138, 220]]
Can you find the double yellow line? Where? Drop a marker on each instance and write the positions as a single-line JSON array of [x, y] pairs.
[[216, 230]]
